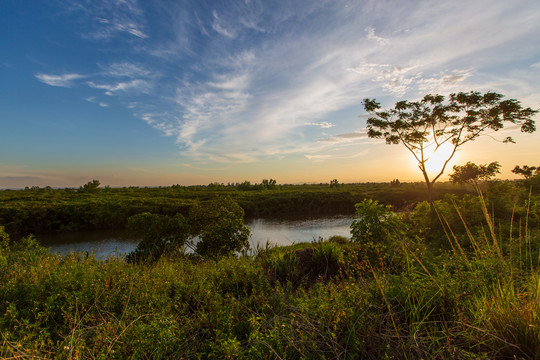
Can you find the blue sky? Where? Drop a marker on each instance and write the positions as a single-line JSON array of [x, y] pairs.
[[192, 92]]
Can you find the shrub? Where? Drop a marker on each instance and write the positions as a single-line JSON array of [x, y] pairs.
[[219, 224], [160, 234]]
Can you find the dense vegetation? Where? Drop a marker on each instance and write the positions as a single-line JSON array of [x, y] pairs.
[[459, 280], [47, 210]]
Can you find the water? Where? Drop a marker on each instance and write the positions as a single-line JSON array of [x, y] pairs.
[[278, 232]]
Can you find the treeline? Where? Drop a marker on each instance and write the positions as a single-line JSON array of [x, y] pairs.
[[47, 210]]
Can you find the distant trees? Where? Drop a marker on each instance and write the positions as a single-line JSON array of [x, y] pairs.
[[527, 171], [268, 184], [264, 185], [334, 183], [90, 187], [531, 175], [426, 125]]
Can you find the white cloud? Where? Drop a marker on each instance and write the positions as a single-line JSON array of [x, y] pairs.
[[220, 27], [347, 137], [109, 18], [92, 99], [249, 78], [372, 36], [64, 80], [133, 85], [318, 157], [444, 82], [323, 125], [125, 69], [393, 77]]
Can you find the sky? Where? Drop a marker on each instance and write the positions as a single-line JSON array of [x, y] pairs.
[[151, 93]]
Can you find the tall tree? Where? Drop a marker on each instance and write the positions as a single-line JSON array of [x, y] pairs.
[[426, 125]]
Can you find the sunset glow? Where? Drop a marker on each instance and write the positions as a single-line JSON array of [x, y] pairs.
[[159, 93]]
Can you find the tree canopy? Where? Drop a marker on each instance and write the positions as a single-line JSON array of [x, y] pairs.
[[426, 125], [471, 173]]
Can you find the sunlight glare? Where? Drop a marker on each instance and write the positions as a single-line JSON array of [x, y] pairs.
[[436, 158]]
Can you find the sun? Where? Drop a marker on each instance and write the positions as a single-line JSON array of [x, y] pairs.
[[437, 156]]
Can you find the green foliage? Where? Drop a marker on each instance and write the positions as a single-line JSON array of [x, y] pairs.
[[315, 300], [471, 173], [456, 298], [380, 232], [90, 187], [4, 246], [219, 224], [305, 264], [42, 210], [527, 171], [334, 183], [159, 234], [375, 223]]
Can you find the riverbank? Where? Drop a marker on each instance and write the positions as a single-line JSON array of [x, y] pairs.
[[282, 232]]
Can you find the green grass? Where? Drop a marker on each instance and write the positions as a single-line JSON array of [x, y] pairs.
[[433, 292]]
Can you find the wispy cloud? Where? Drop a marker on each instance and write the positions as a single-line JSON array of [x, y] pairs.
[[253, 80], [372, 36], [133, 85], [64, 80], [394, 78], [109, 18], [318, 157], [322, 125], [444, 82], [93, 100], [125, 69], [347, 137]]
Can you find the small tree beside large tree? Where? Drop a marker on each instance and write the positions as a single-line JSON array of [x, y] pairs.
[[426, 125]]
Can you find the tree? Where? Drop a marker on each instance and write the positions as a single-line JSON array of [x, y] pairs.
[[219, 224], [268, 184], [89, 187], [160, 234], [471, 173], [426, 125], [527, 171], [334, 183]]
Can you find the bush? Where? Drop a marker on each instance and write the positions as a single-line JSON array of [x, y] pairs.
[[160, 235], [219, 224], [379, 231]]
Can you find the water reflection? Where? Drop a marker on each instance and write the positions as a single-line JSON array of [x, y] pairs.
[[278, 232]]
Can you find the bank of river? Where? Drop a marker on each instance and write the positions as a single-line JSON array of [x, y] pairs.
[[278, 232]]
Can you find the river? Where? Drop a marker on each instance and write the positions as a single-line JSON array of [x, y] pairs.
[[276, 232]]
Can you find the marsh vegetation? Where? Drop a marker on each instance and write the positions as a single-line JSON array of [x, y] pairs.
[[401, 286]]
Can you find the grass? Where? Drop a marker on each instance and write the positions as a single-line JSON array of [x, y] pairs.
[[330, 299]]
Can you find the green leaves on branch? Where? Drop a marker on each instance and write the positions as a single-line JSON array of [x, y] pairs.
[[218, 225], [375, 223], [471, 173], [161, 234], [379, 230], [527, 171]]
